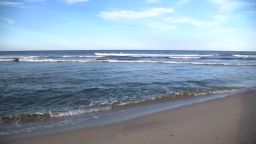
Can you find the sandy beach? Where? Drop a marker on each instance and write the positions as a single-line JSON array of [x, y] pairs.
[[230, 120]]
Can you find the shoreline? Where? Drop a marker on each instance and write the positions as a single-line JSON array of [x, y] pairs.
[[117, 114], [152, 123]]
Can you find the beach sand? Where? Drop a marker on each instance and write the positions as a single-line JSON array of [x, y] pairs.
[[231, 120]]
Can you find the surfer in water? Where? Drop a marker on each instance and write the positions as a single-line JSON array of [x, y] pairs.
[[16, 59]]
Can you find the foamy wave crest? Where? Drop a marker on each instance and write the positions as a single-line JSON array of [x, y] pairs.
[[178, 56], [174, 56], [64, 58], [188, 56], [182, 93], [57, 60], [209, 63], [176, 62], [37, 116], [7, 58], [80, 111], [136, 61], [245, 56], [231, 57], [97, 58], [78, 56]]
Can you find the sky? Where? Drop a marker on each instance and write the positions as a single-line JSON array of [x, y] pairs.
[[127, 25]]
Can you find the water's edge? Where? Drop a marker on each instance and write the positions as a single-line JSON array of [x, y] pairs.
[[125, 114]]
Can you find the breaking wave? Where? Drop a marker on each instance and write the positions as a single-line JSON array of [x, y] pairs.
[[97, 56], [174, 56], [38, 116], [189, 59], [179, 62]]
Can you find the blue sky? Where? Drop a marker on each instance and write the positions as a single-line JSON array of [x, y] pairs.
[[133, 24]]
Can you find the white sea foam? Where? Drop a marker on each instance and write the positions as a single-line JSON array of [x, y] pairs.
[[36, 59], [79, 111], [93, 59], [153, 55], [64, 58], [80, 56], [26, 59], [172, 56], [4, 60], [175, 94], [176, 62], [7, 58], [245, 56]]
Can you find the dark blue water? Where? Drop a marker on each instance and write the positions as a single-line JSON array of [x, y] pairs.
[[50, 85]]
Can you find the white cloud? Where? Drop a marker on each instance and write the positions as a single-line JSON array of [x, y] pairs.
[[159, 20], [158, 27], [23, 2], [20, 3], [219, 19], [182, 2], [135, 15], [75, 1], [152, 1], [10, 3], [186, 20], [7, 20], [226, 6], [214, 22]]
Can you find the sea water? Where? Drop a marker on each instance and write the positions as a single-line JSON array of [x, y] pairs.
[[49, 89]]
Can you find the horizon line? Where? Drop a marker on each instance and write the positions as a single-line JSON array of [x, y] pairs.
[[129, 50]]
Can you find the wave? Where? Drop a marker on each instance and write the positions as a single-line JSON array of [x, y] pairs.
[[132, 58], [180, 94], [57, 60], [178, 62], [48, 58], [172, 56], [80, 111], [232, 57], [124, 56], [39, 116], [246, 57], [179, 56], [86, 60]]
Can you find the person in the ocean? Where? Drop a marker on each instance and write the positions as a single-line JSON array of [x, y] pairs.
[[16, 59]]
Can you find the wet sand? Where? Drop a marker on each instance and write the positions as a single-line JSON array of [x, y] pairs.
[[231, 120]]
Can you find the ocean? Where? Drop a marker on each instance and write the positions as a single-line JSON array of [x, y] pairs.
[[41, 90]]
